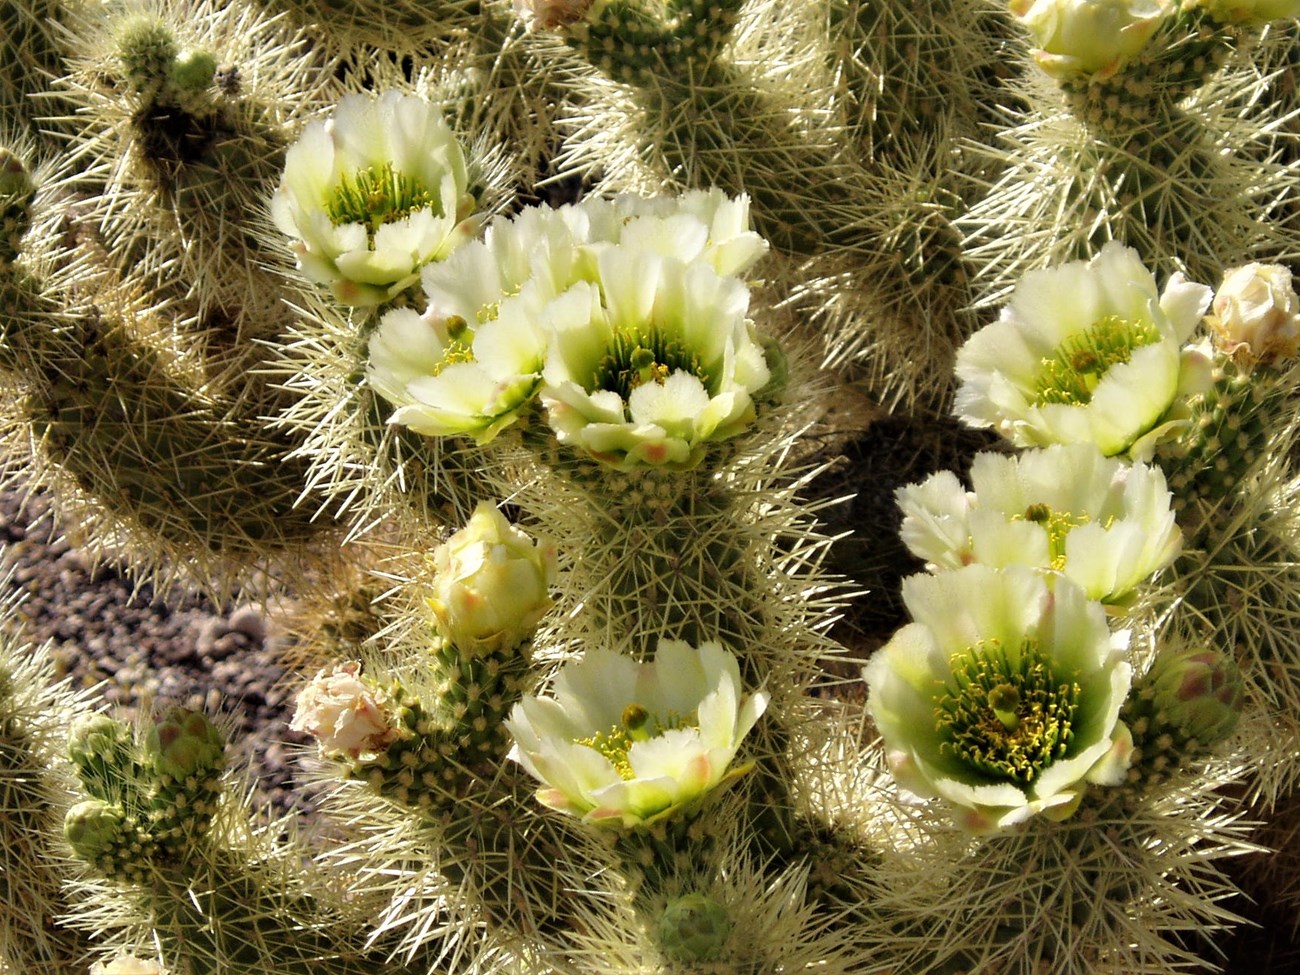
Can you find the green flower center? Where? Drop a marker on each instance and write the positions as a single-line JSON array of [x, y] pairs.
[[378, 195], [634, 358], [1071, 373], [637, 724], [1006, 715]]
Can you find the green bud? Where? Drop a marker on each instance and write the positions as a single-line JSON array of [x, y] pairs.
[[694, 928], [102, 749], [146, 49], [94, 828], [16, 193], [193, 70], [1197, 693], [15, 182], [182, 744]]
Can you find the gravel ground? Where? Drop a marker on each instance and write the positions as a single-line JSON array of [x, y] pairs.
[[138, 647]]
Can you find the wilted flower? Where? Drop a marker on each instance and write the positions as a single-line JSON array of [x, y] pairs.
[[127, 965], [1087, 352], [1103, 523], [1003, 696], [653, 362], [551, 14], [490, 591], [372, 195], [1256, 314], [629, 743], [345, 712], [1088, 39]]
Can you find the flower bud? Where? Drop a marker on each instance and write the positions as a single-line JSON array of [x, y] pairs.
[[94, 828], [694, 928], [182, 744], [193, 69], [127, 965], [16, 193], [345, 712], [101, 748], [1090, 39], [1198, 693], [1256, 315], [491, 586], [146, 49]]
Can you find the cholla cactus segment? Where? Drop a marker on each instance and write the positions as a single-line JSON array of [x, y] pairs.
[[372, 195], [102, 750], [1255, 315], [1105, 524], [625, 743], [1003, 697], [346, 713], [1089, 39], [16, 194], [1086, 352], [491, 584]]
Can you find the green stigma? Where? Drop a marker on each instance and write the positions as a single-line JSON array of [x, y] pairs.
[[1006, 715], [1071, 373], [1058, 525], [378, 195], [634, 358], [635, 724]]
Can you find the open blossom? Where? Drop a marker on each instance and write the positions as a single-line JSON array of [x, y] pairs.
[[1256, 314], [1105, 524], [628, 743], [372, 195], [1088, 39], [1086, 352], [490, 590], [1003, 697], [652, 363], [345, 712], [473, 362]]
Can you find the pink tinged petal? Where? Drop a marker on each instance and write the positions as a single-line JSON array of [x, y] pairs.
[[557, 800]]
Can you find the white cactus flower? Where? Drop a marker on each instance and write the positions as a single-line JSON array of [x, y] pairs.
[[1250, 11], [1003, 697], [372, 195], [626, 743], [491, 585], [128, 965], [1105, 524], [653, 362], [1086, 352], [1088, 39]]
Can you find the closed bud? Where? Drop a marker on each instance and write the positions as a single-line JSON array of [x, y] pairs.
[[1197, 693], [491, 586], [94, 828], [694, 928], [193, 70], [182, 744]]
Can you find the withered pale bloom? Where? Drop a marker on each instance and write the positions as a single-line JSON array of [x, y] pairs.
[[1256, 315], [345, 712]]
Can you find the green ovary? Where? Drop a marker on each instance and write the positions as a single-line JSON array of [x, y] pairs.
[[1006, 716], [378, 195], [634, 358], [1071, 373]]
